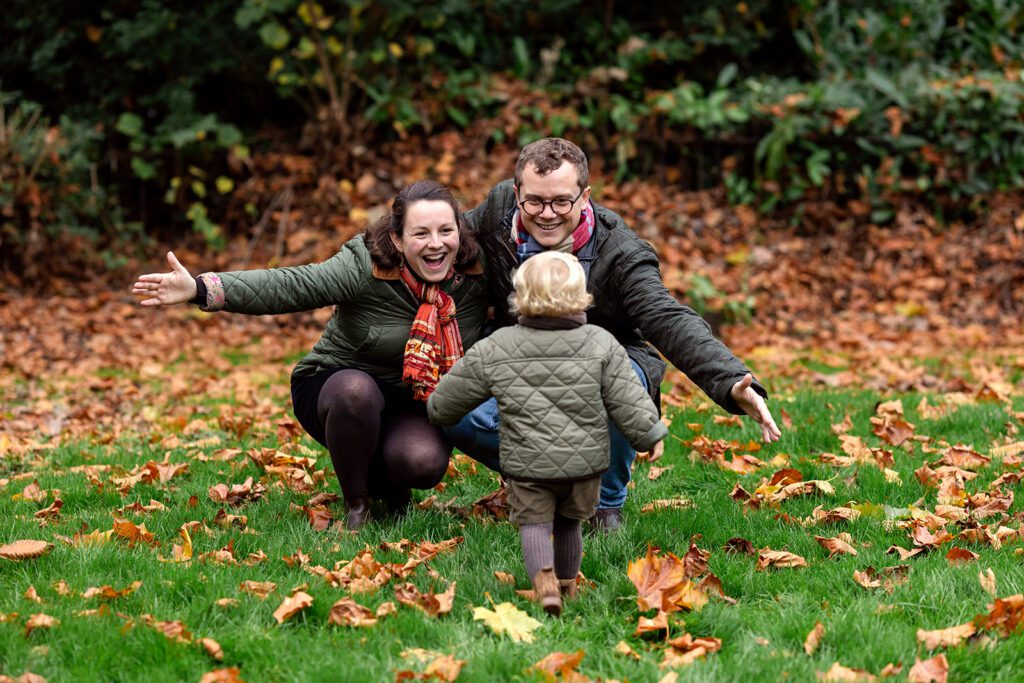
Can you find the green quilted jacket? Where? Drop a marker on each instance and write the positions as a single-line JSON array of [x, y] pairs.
[[373, 308], [556, 390], [630, 300]]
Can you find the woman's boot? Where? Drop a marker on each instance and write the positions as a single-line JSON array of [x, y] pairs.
[[357, 513], [546, 591], [567, 588]]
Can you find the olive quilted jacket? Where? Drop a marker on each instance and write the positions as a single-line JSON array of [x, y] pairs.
[[556, 390], [373, 310]]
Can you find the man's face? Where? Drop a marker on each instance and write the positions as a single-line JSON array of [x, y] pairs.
[[547, 227]]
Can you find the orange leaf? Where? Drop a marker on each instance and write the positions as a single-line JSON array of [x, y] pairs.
[[292, 605], [835, 546], [347, 612], [212, 648], [947, 637], [559, 664], [25, 550], [934, 670], [814, 638], [40, 620], [655, 577]]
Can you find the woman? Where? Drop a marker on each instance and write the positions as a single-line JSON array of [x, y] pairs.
[[409, 298]]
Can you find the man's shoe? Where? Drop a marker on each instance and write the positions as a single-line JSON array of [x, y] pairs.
[[357, 513], [546, 591], [607, 520]]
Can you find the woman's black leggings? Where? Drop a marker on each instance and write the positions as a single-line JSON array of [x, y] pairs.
[[380, 445]]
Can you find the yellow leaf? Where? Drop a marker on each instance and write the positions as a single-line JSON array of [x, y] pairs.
[[508, 619]]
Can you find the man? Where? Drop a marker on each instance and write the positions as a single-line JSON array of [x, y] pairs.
[[548, 206]]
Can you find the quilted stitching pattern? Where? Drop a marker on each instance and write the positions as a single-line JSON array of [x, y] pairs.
[[556, 390]]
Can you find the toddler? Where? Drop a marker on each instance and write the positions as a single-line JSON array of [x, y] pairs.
[[557, 381]]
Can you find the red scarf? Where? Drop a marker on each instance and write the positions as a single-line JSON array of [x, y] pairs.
[[434, 340]]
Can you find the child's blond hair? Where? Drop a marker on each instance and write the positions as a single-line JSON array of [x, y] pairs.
[[550, 284]]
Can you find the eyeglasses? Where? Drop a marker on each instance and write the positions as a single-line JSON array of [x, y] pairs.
[[561, 206]]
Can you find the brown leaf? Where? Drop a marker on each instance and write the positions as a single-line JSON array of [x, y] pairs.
[[39, 620], [31, 595], [786, 476], [695, 562], [904, 553], [947, 637], [260, 589], [429, 603], [212, 648], [505, 578], [835, 546], [960, 556], [739, 546], [655, 578], [654, 624], [778, 559], [674, 503], [814, 638], [841, 674], [934, 670], [347, 612], [230, 675], [559, 664], [110, 593], [1004, 616], [988, 581], [623, 648], [25, 550], [292, 605], [656, 472]]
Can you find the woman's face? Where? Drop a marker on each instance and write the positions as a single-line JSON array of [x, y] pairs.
[[430, 239]]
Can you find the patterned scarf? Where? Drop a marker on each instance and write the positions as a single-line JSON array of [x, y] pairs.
[[576, 241], [434, 340]]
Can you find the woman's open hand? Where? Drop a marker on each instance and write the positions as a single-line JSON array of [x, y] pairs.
[[165, 289]]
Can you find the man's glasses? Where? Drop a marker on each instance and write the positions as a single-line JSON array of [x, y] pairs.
[[561, 206]]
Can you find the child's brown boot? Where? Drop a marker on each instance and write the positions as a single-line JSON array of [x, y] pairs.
[[567, 587], [546, 591]]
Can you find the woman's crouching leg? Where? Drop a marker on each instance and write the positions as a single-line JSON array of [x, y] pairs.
[[415, 453]]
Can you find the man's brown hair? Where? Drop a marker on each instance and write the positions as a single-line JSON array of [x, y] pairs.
[[548, 154]]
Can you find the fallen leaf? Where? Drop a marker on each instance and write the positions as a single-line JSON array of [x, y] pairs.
[[559, 665], [508, 619], [835, 546], [347, 612], [740, 546], [623, 648], [778, 559], [504, 577], [25, 550], [934, 670], [988, 581], [673, 503], [960, 556], [260, 589], [814, 638], [655, 624], [31, 595], [212, 648], [292, 605], [841, 674], [39, 620], [947, 637], [230, 675]]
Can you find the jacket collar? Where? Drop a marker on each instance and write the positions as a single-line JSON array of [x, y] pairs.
[[395, 273]]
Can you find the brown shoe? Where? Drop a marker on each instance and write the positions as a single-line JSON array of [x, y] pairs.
[[357, 513], [607, 520], [567, 588], [546, 591]]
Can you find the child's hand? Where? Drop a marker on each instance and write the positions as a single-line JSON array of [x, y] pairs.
[[753, 405]]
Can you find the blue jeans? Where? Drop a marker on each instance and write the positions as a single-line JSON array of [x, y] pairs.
[[476, 435]]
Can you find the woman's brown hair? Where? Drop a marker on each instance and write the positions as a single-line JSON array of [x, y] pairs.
[[383, 251]]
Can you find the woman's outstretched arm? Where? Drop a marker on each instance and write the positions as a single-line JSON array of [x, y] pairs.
[[166, 289]]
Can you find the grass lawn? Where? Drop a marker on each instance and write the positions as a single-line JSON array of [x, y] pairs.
[[762, 635]]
